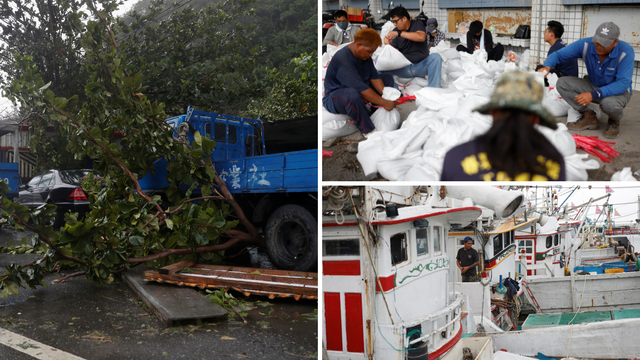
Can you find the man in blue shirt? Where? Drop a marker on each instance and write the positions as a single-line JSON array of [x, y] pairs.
[[352, 78], [409, 38], [609, 63], [552, 36]]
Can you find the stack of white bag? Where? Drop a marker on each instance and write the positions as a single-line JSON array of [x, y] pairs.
[[623, 175], [444, 118], [336, 125]]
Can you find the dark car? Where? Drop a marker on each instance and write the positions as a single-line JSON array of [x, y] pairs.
[[59, 187]]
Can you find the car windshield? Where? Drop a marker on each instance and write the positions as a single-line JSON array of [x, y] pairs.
[[73, 177]]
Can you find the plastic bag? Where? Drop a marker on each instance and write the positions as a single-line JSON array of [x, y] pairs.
[[388, 26], [336, 125], [332, 50], [512, 57], [436, 99], [391, 59], [623, 175], [561, 138], [386, 120]]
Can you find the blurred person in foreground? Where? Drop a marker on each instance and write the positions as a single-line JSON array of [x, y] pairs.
[[352, 78], [609, 64], [513, 149]]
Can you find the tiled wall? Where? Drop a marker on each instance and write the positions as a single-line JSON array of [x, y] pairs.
[[569, 15]]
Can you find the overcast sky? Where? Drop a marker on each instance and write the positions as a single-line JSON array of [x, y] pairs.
[[624, 199], [5, 104]]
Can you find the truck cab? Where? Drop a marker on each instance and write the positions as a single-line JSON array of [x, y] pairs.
[[277, 192]]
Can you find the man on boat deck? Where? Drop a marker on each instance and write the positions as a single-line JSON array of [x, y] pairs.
[[467, 260]]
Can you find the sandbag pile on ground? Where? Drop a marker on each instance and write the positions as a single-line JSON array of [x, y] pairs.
[[444, 118]]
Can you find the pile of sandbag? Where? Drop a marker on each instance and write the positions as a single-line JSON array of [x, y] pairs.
[[444, 118]]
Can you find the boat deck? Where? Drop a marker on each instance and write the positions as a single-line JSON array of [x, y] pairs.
[[535, 321]]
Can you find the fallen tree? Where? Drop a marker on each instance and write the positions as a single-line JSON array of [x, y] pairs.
[[124, 226]]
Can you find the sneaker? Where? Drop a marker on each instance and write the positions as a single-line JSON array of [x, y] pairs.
[[589, 121], [613, 129]]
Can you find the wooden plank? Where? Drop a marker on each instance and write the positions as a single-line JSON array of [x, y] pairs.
[[259, 277], [212, 282], [250, 270], [174, 268]]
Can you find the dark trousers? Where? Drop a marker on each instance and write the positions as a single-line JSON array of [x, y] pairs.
[[350, 102], [553, 71], [495, 53]]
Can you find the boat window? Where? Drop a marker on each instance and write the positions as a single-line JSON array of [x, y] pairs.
[[555, 240], [507, 239], [436, 239], [347, 247], [422, 242], [549, 239], [398, 248], [497, 244], [529, 247]]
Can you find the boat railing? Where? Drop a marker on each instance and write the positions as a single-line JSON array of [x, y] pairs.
[[455, 307]]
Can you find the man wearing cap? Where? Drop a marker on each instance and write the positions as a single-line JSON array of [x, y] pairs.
[[609, 62], [409, 38], [467, 260], [434, 36]]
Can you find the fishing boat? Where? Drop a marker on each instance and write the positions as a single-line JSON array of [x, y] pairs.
[[387, 269]]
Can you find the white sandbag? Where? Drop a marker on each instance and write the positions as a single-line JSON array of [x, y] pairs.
[[561, 138], [390, 59], [538, 76], [332, 49], [391, 94], [369, 153], [524, 61], [326, 59], [388, 26], [557, 107], [552, 79], [623, 175], [411, 90], [576, 168], [336, 125], [420, 81], [394, 170], [436, 98], [385, 120], [573, 115]]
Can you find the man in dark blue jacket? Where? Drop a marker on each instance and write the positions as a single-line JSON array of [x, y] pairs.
[[552, 36], [609, 63]]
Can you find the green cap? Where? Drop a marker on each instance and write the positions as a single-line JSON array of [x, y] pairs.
[[519, 90]]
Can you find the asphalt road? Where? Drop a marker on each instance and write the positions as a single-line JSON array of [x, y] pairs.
[[109, 322], [344, 166]]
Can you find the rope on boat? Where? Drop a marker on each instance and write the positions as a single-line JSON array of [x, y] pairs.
[[337, 197]]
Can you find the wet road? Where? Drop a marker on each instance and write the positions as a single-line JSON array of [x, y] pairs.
[[108, 322]]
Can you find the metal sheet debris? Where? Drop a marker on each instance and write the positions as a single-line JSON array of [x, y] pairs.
[[249, 281]]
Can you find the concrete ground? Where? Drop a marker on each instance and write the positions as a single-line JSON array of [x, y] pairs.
[[109, 322], [344, 166]]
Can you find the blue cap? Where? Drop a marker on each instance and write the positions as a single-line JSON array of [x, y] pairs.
[[468, 238]]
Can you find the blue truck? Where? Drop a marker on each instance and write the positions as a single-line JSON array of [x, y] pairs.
[[9, 168], [278, 192]]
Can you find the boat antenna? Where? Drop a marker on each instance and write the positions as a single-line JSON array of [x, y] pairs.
[[364, 240]]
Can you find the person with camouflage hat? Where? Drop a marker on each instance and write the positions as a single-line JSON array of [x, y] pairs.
[[512, 149], [609, 62]]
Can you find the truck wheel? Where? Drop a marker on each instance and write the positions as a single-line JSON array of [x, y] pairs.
[[292, 239]]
